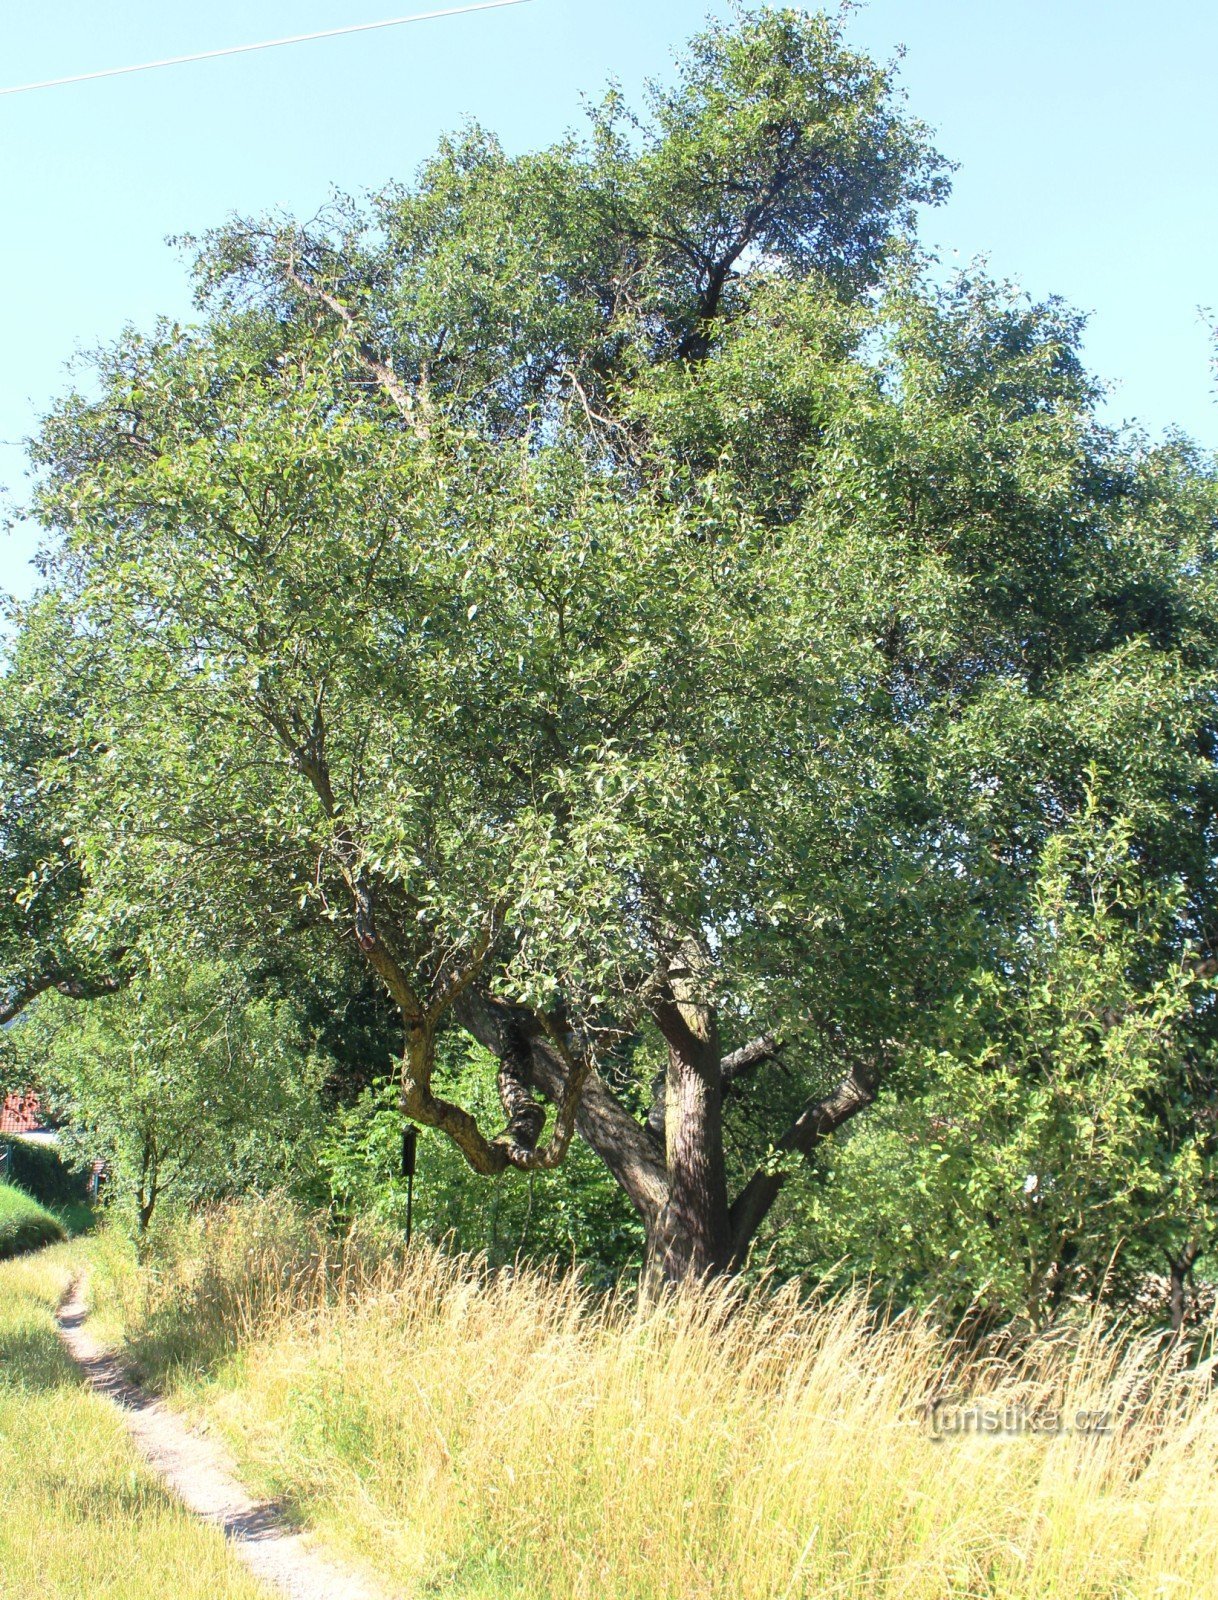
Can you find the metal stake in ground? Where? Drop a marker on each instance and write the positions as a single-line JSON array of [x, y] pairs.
[[410, 1160]]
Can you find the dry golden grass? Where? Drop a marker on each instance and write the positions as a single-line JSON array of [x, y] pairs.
[[511, 1435]]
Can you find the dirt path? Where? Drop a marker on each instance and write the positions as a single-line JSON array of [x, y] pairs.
[[200, 1473]]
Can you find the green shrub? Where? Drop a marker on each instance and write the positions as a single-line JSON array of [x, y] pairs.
[[24, 1224], [576, 1215], [41, 1171]]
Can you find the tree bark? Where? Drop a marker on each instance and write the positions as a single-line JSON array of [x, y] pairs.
[[1179, 1267], [525, 1115], [734, 1066], [689, 1238]]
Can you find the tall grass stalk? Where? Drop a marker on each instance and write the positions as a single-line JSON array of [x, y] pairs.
[[503, 1434]]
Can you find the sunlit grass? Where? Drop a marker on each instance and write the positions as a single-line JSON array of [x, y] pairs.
[[24, 1224], [79, 1514], [511, 1435]]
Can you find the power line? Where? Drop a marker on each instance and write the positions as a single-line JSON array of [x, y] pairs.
[[266, 44]]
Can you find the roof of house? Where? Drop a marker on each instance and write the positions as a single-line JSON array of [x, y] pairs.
[[21, 1113]]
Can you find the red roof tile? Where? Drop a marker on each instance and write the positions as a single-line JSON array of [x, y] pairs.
[[20, 1113]]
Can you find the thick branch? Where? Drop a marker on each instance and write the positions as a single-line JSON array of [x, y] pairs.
[[600, 1118], [525, 1115], [55, 979], [815, 1123], [578, 1070], [430, 1111], [24, 994], [491, 1156], [753, 1054], [517, 1146]]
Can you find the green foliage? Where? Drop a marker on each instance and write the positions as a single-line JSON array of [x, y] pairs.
[[49, 937], [517, 662], [1060, 1141], [24, 1224], [567, 557], [186, 1084], [578, 1215], [41, 1171]]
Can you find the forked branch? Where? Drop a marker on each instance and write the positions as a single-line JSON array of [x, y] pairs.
[[378, 368]]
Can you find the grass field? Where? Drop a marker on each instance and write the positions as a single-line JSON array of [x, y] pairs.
[[80, 1515], [24, 1224], [508, 1437]]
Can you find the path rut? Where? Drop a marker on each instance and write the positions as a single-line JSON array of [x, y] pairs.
[[199, 1472]]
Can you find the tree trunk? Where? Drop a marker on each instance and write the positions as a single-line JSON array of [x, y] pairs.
[[146, 1196], [1179, 1268], [672, 1169], [689, 1238]]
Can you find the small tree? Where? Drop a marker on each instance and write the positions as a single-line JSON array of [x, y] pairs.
[[184, 1084], [1060, 1141]]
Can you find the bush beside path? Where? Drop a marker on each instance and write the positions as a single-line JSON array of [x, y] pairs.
[[24, 1224]]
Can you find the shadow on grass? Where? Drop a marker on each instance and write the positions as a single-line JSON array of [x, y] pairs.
[[169, 1348], [78, 1217], [23, 1237], [110, 1503]]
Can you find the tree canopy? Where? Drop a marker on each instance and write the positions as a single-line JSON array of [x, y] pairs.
[[622, 594]]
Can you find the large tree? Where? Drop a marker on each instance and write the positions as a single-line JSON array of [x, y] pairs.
[[659, 631]]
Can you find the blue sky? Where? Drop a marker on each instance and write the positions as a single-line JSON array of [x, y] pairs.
[[1086, 132]]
